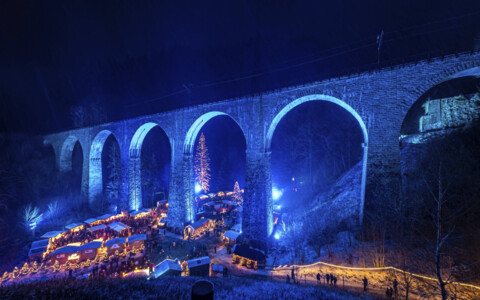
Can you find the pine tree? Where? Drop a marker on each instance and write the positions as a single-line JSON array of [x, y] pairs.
[[202, 164], [237, 193]]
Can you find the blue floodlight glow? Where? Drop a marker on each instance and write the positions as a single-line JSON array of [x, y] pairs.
[[277, 236], [276, 194], [198, 188]]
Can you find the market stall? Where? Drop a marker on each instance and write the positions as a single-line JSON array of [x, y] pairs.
[[118, 226], [74, 227], [97, 228], [168, 267], [52, 235], [37, 254], [140, 213], [248, 257], [137, 240], [89, 250], [197, 228], [106, 217], [115, 244], [92, 221], [198, 266], [63, 254], [230, 237]]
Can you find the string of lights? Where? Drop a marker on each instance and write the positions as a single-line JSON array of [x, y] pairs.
[[374, 269]]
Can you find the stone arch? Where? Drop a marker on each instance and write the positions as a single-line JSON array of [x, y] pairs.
[[444, 78], [318, 97], [95, 172], [66, 153], [194, 130], [460, 70], [188, 148], [135, 150]]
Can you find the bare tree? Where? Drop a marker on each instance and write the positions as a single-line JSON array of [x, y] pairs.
[[442, 233]]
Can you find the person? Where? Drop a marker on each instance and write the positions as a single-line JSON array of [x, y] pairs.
[[395, 288], [288, 279], [215, 247], [293, 275], [365, 283], [318, 278], [335, 280], [328, 278]]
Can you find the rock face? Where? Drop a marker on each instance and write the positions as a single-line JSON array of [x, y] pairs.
[[379, 101], [449, 112], [340, 203]]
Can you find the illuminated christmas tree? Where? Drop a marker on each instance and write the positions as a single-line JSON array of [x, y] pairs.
[[237, 193], [202, 165]]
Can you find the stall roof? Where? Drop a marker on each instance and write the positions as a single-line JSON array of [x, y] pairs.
[[51, 234], [165, 266], [98, 227], [162, 201], [73, 225], [199, 223], [137, 237], [119, 240], [91, 220], [138, 212], [118, 226], [237, 227], [233, 235], [40, 243], [38, 250], [66, 249], [91, 245], [240, 209], [250, 253], [209, 203], [198, 262], [105, 216]]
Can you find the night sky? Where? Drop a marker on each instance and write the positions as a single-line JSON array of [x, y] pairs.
[[136, 57]]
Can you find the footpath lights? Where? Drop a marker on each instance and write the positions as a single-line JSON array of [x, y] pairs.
[[276, 194]]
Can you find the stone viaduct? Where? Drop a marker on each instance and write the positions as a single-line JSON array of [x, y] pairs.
[[379, 100]]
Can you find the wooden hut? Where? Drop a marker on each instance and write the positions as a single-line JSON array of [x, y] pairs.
[[137, 240], [62, 254], [89, 250], [198, 266], [230, 237], [118, 226], [74, 227], [52, 235], [140, 213], [168, 267], [115, 244], [97, 228], [248, 257], [197, 228], [37, 254], [92, 221], [38, 250]]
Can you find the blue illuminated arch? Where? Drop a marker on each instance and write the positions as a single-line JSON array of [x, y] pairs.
[[66, 153], [95, 180], [194, 130], [297, 102], [135, 151]]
